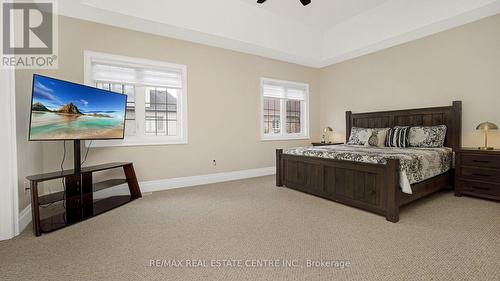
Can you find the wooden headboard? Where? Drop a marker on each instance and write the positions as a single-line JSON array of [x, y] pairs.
[[451, 116]]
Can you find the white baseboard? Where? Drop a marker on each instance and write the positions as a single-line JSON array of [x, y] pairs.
[[166, 184], [24, 218], [159, 185]]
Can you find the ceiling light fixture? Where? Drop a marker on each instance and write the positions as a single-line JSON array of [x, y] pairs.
[[304, 2]]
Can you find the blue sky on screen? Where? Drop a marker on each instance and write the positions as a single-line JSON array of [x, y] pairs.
[[55, 94]]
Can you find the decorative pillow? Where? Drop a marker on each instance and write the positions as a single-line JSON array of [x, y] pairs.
[[397, 137], [372, 140], [359, 136], [432, 136], [377, 137]]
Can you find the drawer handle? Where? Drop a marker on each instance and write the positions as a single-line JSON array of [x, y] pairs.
[[481, 175], [480, 188], [481, 161]]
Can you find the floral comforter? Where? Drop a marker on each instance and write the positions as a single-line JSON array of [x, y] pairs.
[[417, 164]]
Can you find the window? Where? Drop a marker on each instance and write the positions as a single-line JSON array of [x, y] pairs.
[[156, 110], [284, 110], [161, 111]]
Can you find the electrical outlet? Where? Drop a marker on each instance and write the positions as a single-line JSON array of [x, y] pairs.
[[214, 162]]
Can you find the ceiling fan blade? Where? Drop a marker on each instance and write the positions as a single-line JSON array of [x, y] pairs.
[[304, 2]]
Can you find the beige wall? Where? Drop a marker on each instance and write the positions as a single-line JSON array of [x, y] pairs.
[[458, 64], [223, 103], [29, 154]]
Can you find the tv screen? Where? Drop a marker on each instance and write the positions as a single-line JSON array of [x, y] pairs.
[[62, 110]]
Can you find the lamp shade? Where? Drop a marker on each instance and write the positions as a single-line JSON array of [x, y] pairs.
[[327, 129], [487, 126]]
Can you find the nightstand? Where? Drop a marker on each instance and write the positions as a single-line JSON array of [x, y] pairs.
[[477, 173], [326, 143]]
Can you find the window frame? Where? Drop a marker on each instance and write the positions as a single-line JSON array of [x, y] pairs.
[[142, 140], [283, 135]]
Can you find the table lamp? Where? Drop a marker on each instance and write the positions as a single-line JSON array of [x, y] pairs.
[[326, 133], [486, 126]]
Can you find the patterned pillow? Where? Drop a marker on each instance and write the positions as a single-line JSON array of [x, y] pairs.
[[432, 136], [372, 140], [377, 137], [359, 136], [397, 137]]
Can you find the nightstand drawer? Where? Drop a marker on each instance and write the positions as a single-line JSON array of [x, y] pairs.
[[486, 161], [483, 174], [479, 187]]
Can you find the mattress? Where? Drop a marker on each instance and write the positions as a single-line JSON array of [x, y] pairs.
[[416, 164]]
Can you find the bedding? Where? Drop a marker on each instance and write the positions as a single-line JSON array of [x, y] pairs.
[[377, 137], [398, 137], [359, 136], [431, 136], [416, 164]]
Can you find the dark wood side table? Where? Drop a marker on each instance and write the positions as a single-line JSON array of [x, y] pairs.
[[325, 143], [477, 173]]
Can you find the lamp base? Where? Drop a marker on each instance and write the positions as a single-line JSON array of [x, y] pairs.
[[486, 148]]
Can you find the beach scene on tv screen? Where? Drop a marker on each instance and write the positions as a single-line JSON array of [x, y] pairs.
[[63, 110]]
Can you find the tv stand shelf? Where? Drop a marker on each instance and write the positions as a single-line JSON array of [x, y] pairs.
[[59, 196], [77, 199], [60, 220], [62, 174]]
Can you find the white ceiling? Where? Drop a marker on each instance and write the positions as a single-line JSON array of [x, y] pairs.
[[321, 14], [320, 34]]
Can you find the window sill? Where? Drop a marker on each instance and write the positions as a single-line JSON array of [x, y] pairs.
[[283, 138], [144, 141]]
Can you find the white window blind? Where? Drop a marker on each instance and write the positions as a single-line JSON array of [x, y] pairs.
[[136, 76], [271, 90]]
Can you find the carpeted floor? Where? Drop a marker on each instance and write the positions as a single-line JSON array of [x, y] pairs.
[[252, 222]]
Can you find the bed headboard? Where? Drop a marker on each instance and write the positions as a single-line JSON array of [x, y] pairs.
[[451, 116]]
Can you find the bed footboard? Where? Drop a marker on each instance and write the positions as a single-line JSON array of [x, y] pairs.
[[372, 187]]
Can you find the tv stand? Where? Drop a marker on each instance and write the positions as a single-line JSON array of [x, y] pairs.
[[78, 202]]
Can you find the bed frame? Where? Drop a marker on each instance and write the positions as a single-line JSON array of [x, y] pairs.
[[371, 187]]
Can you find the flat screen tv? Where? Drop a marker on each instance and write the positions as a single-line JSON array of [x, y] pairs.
[[62, 110]]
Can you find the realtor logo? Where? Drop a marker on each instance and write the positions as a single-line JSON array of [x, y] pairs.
[[29, 35]]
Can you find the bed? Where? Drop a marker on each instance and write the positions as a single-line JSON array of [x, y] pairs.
[[381, 185]]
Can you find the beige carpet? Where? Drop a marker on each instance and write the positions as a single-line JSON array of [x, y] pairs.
[[439, 238]]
